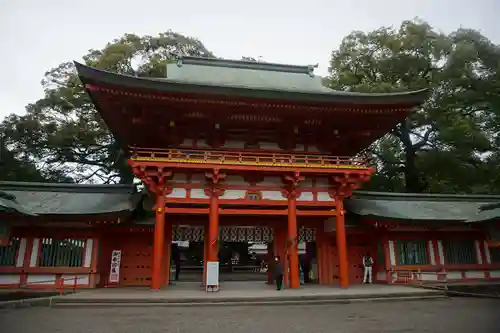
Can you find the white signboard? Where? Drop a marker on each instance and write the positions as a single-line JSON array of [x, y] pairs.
[[114, 272], [212, 276]]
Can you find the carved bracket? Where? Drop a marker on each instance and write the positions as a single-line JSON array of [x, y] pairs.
[[215, 176], [154, 178], [291, 183], [345, 184]]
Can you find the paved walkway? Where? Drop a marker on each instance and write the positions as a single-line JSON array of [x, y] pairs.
[[461, 315], [188, 291]]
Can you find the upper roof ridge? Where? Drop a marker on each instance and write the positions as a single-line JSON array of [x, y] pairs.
[[246, 64]]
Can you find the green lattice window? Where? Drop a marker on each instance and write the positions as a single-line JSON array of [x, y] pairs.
[[459, 252], [62, 252], [412, 252], [380, 254], [495, 255], [8, 252]]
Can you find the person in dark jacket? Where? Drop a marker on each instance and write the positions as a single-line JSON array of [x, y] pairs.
[[176, 256], [278, 273]]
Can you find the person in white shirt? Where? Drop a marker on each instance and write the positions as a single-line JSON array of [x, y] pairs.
[[367, 264]]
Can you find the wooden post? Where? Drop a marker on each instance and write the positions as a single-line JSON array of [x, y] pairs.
[[168, 253], [341, 244], [205, 254], [159, 241], [213, 227], [270, 261], [292, 240]]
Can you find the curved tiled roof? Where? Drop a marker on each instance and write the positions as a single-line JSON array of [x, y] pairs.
[[67, 199], [246, 79], [419, 207]]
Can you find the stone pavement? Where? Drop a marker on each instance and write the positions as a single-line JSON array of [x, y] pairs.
[[457, 315], [241, 291]]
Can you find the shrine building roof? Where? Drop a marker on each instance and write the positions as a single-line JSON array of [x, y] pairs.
[[246, 79], [66, 199], [423, 207]]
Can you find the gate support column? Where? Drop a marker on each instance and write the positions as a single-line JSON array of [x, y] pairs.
[[341, 243], [213, 227], [159, 241], [293, 240]]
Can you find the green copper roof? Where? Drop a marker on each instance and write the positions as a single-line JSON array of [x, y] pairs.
[[489, 212], [418, 207], [66, 199], [246, 79]]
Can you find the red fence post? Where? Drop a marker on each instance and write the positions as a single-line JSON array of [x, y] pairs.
[[61, 286]]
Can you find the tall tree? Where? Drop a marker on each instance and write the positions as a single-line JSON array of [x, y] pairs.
[[63, 133], [442, 146]]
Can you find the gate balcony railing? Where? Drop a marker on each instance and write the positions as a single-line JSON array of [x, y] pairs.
[[247, 158]]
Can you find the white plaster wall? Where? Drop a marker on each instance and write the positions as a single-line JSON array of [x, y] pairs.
[[299, 147], [10, 278], [324, 196], [495, 274], [202, 144], [487, 254], [187, 143], [474, 274], [432, 254], [479, 257], [235, 180], [234, 194], [177, 193], [34, 252], [454, 275], [87, 261], [198, 178], [306, 183], [272, 195], [440, 252], [429, 277], [269, 145], [69, 279], [198, 193], [42, 278], [179, 178], [306, 196], [392, 253], [21, 252], [234, 144], [322, 182], [272, 181]]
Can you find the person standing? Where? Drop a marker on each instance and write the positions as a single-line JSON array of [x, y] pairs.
[[367, 264], [278, 273]]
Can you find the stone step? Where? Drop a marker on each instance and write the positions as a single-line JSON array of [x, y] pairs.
[[249, 302]]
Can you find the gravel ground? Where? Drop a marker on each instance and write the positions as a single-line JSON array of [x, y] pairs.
[[459, 315]]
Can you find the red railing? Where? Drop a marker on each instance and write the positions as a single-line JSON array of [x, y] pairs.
[[418, 278], [59, 283], [257, 158]]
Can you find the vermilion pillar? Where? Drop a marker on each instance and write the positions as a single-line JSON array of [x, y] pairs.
[[293, 241], [341, 244], [168, 252], [213, 227], [205, 254], [159, 242]]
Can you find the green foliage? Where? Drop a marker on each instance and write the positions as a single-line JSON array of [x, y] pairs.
[[452, 143], [63, 134]]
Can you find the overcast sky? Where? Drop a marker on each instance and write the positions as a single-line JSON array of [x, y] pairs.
[[36, 35]]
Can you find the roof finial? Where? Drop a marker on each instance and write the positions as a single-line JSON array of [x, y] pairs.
[[311, 68]]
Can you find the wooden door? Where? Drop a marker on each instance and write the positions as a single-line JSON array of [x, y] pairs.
[[137, 260]]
